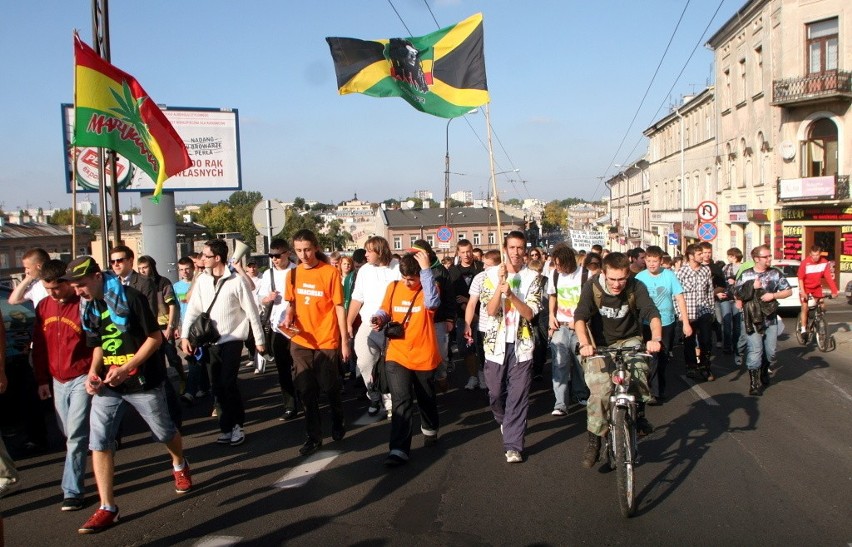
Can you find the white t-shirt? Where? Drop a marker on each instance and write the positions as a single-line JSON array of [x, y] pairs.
[[474, 290], [567, 294], [370, 287], [36, 292], [279, 307]]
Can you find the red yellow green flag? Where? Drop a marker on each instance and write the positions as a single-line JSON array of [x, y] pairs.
[[442, 73], [111, 110]]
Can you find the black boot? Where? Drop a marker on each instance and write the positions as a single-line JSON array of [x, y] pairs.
[[643, 426], [753, 382], [592, 452], [764, 374]]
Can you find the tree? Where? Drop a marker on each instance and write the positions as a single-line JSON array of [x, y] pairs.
[[299, 204], [62, 217], [554, 217], [336, 237], [241, 198], [456, 203]]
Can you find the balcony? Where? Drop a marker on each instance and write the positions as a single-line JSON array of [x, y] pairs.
[[815, 88]]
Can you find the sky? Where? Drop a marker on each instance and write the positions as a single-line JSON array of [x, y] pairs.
[[565, 77]]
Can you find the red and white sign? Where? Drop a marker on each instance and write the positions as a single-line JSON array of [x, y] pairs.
[[707, 211]]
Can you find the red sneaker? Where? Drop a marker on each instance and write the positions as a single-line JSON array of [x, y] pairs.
[[183, 479], [101, 520]]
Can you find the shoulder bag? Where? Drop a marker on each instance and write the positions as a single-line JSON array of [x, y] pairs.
[[202, 331]]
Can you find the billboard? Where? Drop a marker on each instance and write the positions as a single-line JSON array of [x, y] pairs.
[[211, 135]]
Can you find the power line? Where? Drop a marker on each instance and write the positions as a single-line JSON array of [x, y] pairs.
[[647, 89], [400, 18], [677, 79]]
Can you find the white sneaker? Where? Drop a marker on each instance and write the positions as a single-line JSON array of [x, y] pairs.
[[472, 383], [513, 456], [237, 436], [558, 412], [224, 438]]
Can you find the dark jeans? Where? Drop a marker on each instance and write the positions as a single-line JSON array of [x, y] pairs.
[[20, 402], [405, 384], [224, 366], [284, 364], [315, 371], [702, 335], [198, 379], [540, 327], [659, 363]]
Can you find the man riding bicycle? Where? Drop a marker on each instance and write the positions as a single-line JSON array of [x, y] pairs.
[[813, 269], [612, 308]]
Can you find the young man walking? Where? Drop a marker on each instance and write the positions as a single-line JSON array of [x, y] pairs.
[[61, 355], [513, 293], [127, 369]]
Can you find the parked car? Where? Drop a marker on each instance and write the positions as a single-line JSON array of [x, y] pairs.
[[849, 292], [18, 320], [790, 268]]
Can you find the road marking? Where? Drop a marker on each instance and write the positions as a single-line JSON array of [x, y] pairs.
[[703, 395], [301, 474], [822, 377], [218, 541]]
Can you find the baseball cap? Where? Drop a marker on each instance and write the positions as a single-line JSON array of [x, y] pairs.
[[80, 267]]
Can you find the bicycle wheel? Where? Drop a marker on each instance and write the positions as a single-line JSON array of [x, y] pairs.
[[623, 434], [801, 337], [821, 330]]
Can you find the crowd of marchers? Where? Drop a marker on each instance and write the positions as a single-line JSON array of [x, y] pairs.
[[104, 336]]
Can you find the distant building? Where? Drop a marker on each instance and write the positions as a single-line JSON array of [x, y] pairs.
[[464, 196], [478, 225], [17, 238], [423, 194]]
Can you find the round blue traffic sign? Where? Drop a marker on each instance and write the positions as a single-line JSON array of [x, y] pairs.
[[707, 231], [444, 234]]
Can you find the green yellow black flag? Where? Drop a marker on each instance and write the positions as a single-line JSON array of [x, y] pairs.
[[442, 73]]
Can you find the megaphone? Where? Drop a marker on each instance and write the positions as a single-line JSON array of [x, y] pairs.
[[240, 250]]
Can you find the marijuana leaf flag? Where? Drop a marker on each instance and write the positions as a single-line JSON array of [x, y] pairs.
[[111, 110], [442, 73]]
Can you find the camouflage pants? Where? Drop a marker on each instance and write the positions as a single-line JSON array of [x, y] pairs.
[[598, 371]]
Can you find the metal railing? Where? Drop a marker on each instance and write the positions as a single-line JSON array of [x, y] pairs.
[[814, 86]]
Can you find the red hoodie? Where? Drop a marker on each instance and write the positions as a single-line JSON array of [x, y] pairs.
[[59, 343]]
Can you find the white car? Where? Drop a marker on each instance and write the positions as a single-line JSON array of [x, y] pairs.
[[790, 268]]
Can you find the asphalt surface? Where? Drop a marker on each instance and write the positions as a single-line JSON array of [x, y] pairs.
[[721, 468]]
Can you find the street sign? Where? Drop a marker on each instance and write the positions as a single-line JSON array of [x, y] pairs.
[[707, 211], [707, 231], [673, 240], [268, 216], [444, 234]]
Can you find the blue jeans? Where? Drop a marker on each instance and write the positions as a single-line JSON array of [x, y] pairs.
[[72, 407], [731, 325], [563, 360], [108, 408], [761, 347]]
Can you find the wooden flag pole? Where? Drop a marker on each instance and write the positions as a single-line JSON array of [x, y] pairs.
[[494, 182], [74, 170]]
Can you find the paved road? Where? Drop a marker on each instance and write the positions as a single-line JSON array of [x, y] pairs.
[[722, 468]]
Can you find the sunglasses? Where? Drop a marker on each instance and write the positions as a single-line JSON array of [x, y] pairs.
[[275, 255], [117, 260]]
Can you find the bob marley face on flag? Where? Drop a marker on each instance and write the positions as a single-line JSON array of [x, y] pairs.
[[442, 73], [405, 64]]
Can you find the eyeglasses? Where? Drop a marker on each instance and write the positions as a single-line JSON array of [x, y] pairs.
[[764, 256], [207, 256], [117, 260], [275, 255]]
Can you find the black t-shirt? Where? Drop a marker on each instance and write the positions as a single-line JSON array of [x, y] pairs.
[[615, 321], [460, 279], [119, 347]]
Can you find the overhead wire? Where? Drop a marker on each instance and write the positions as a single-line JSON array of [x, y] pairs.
[[647, 90], [677, 79]]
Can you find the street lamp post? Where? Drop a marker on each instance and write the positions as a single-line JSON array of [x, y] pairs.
[[447, 170]]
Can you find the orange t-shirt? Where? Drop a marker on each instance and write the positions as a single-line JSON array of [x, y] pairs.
[[419, 349], [317, 291]]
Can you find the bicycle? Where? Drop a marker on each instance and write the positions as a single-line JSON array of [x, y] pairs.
[[621, 438], [817, 326]]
